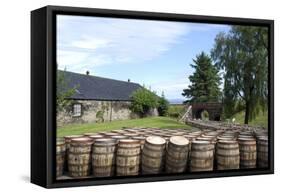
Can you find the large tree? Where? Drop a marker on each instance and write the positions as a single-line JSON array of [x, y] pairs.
[[242, 54], [205, 81], [63, 93]]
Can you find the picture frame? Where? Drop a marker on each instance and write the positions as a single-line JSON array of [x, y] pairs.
[[43, 94]]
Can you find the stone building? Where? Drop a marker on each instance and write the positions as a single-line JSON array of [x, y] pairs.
[[97, 99]]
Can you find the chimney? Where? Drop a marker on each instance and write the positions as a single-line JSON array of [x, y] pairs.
[[87, 73], [129, 80]]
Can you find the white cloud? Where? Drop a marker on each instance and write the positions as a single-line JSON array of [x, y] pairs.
[[172, 88], [88, 42], [101, 41]]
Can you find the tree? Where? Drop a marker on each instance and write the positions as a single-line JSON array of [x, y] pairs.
[[163, 105], [143, 100], [205, 81], [63, 91], [242, 54]]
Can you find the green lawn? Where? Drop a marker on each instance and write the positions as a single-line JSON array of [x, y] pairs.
[[159, 122], [260, 120]]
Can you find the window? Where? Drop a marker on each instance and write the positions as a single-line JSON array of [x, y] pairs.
[[77, 110]]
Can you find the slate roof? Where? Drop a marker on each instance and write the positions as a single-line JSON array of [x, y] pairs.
[[90, 87]]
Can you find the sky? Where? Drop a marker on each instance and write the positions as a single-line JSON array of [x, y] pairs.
[[156, 54]]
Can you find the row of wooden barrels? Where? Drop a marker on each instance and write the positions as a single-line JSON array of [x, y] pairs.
[[126, 152]]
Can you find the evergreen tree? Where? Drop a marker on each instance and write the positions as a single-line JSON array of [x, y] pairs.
[[242, 54], [163, 105], [205, 81]]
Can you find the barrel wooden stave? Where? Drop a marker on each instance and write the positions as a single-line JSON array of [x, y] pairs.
[[60, 156], [227, 155], [201, 156], [79, 157], [128, 157], [153, 155], [103, 157]]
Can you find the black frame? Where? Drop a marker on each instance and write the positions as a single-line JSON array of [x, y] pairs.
[[43, 93]]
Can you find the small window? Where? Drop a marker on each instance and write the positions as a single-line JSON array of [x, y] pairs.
[[77, 110]]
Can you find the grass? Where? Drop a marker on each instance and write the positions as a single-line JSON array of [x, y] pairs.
[[260, 120], [176, 110], [159, 122]]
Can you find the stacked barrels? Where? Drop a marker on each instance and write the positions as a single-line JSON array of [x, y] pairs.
[[79, 157], [177, 154], [153, 155], [134, 151]]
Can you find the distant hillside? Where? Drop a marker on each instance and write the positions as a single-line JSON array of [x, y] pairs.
[[176, 101]]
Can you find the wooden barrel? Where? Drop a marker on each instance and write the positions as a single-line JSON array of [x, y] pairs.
[[67, 145], [248, 152], [262, 154], [79, 157], [153, 155], [60, 156], [103, 157], [177, 154], [128, 157], [227, 155], [201, 156]]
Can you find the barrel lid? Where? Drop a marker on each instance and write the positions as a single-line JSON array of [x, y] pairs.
[[128, 141], [179, 140], [139, 138], [105, 140], [72, 136], [60, 141], [200, 142], [156, 140], [263, 138], [225, 138], [246, 139], [82, 140], [130, 134], [119, 137], [227, 141], [109, 134], [96, 136], [117, 131], [205, 138], [89, 134]]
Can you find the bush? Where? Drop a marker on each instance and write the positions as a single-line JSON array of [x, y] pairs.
[[143, 100], [176, 111], [99, 116], [205, 115], [163, 106]]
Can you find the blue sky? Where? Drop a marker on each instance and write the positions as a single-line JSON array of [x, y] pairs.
[[156, 54]]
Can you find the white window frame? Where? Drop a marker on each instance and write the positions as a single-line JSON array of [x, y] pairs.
[[77, 110]]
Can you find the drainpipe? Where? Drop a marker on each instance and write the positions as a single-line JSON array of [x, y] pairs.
[[110, 119]]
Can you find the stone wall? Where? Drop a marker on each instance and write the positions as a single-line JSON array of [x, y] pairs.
[[96, 111]]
